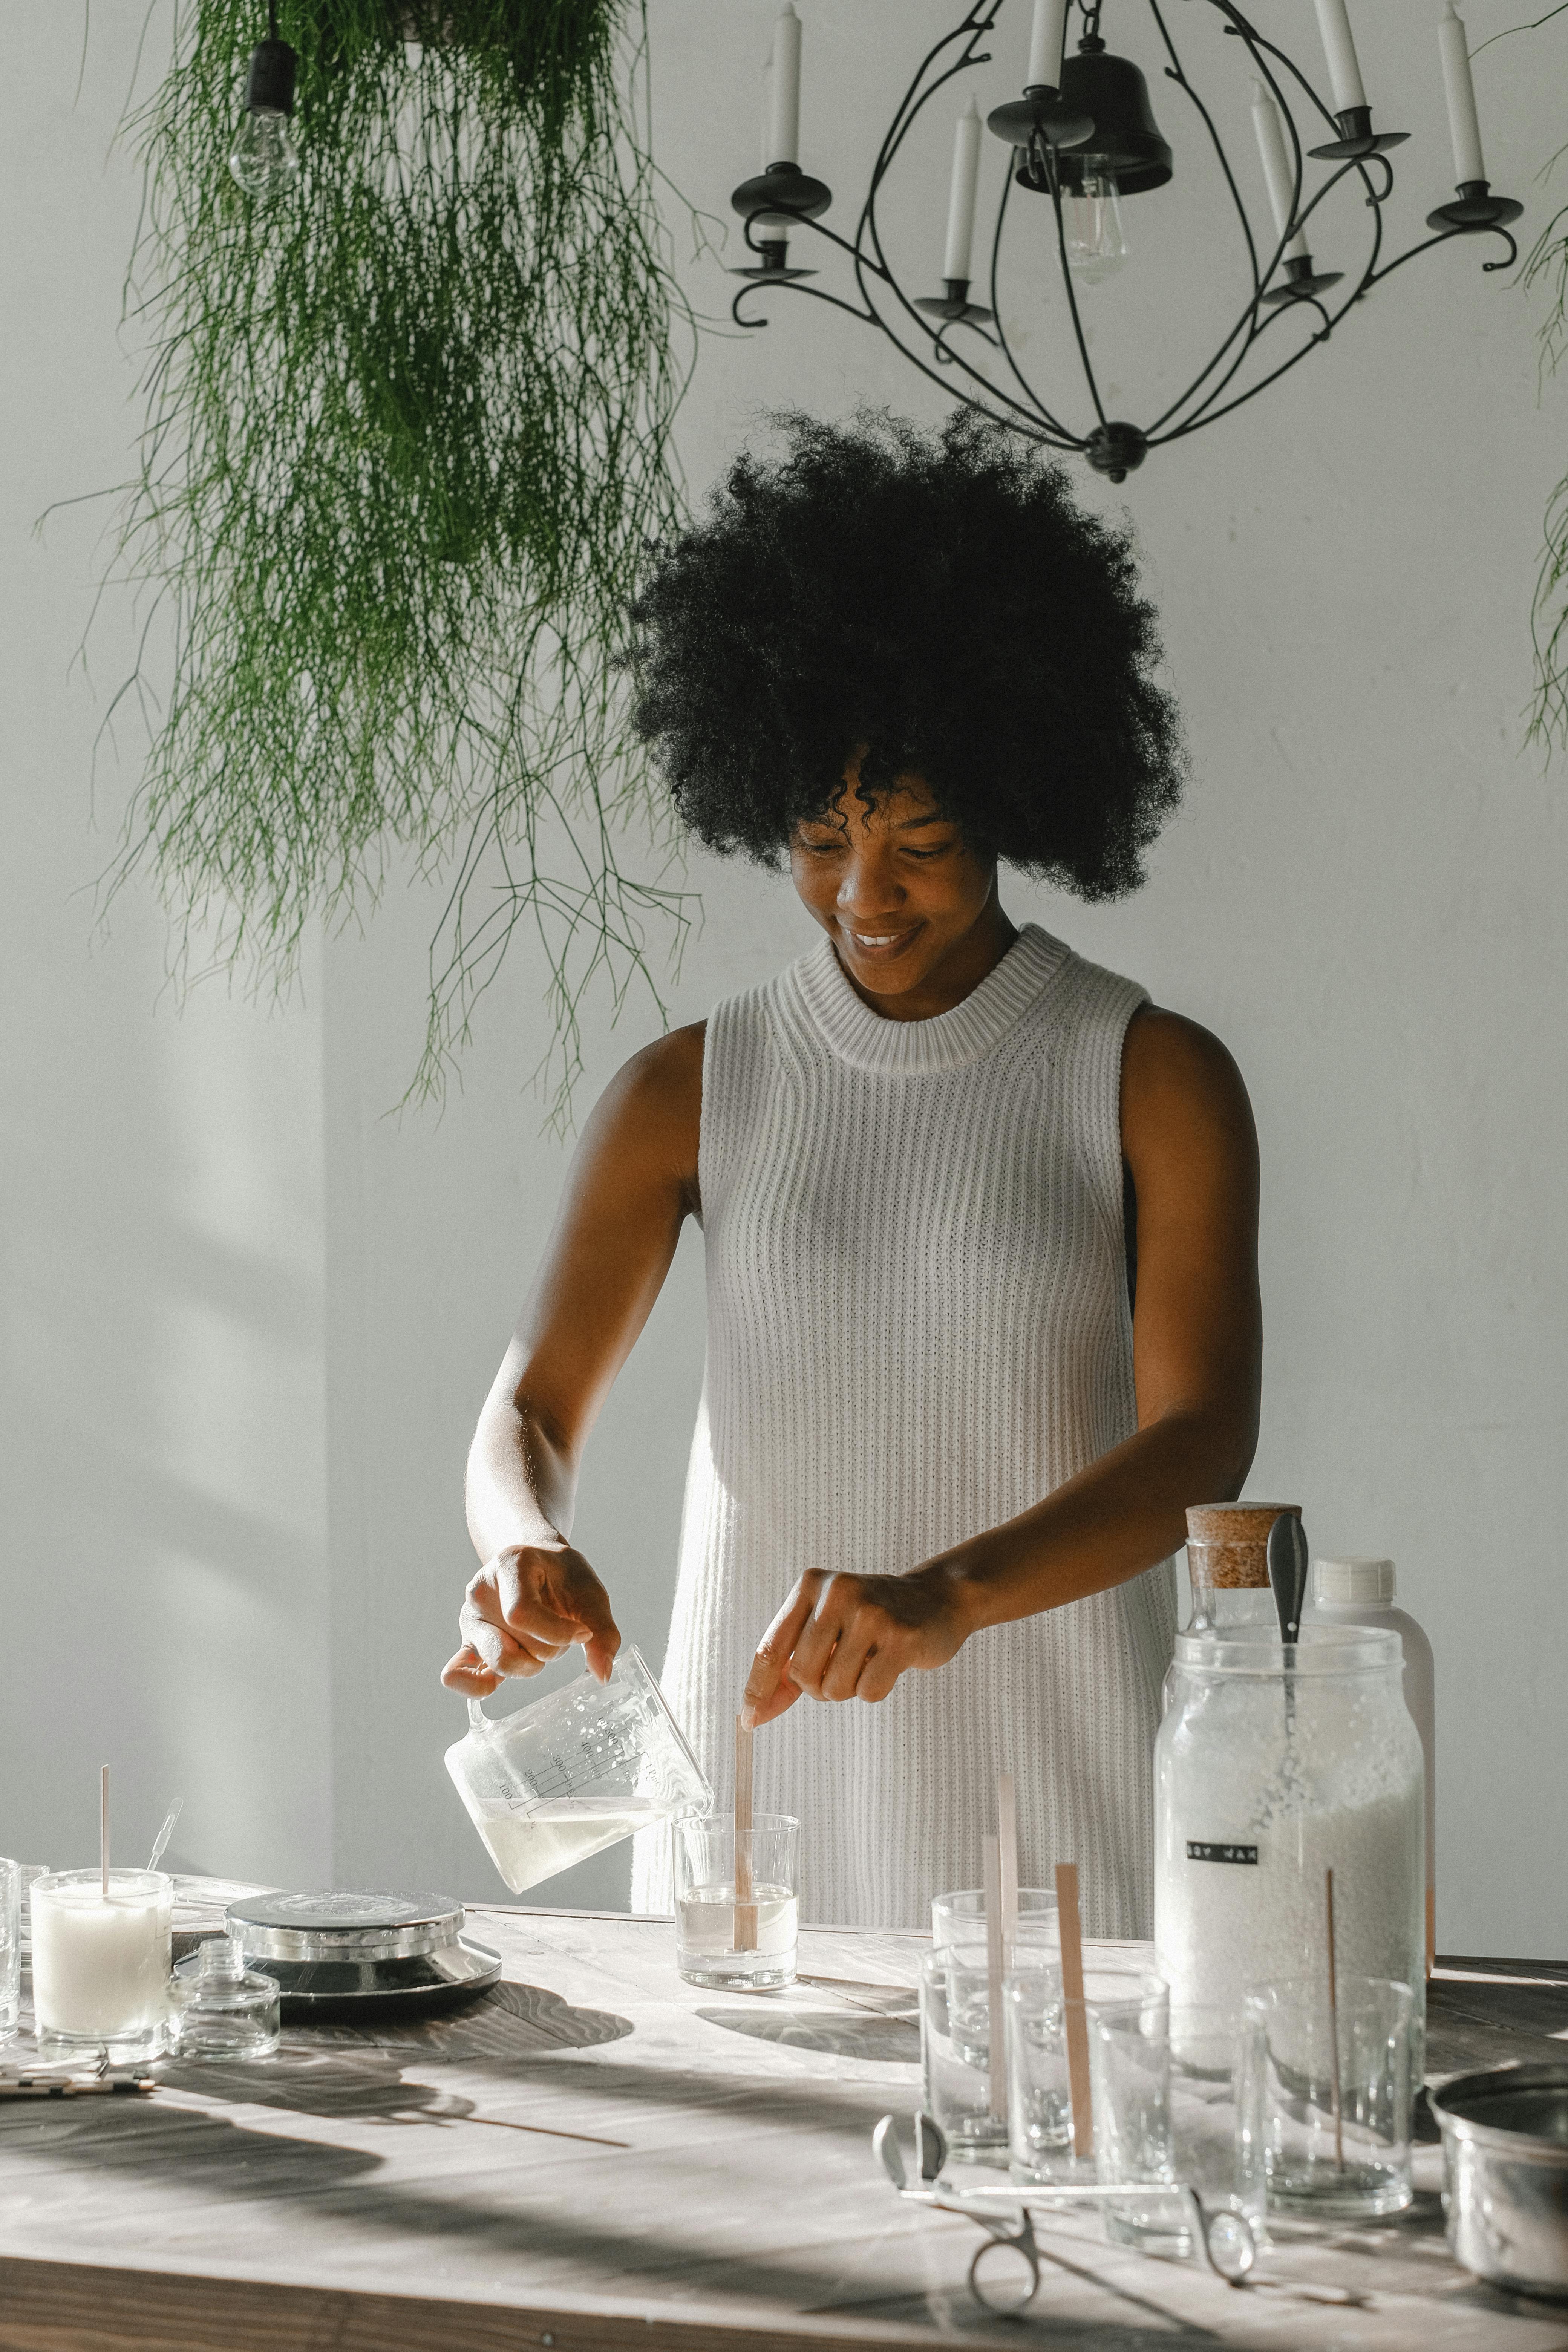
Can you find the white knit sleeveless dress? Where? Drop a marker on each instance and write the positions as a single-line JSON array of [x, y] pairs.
[[918, 1326]]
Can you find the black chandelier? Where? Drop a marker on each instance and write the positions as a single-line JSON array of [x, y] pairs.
[[1083, 136]]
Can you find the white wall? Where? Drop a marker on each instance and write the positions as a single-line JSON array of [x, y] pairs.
[[1358, 897], [162, 1466]]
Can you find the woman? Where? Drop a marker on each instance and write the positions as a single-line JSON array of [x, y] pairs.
[[980, 1222]]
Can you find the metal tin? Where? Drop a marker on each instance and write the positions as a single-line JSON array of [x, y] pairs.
[[1505, 2163], [361, 1951]]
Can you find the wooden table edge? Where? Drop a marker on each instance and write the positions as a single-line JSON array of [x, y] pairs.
[[49, 2306]]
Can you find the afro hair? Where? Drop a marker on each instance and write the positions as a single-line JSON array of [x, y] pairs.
[[935, 604]]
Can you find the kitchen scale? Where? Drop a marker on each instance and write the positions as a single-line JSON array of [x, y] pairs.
[[364, 1951]]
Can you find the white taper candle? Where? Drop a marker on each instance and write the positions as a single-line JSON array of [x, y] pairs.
[[1045, 45], [786, 139], [1277, 167], [1464, 124], [769, 228], [1339, 47], [960, 196]]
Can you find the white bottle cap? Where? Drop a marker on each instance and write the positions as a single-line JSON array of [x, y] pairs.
[[1355, 1580]]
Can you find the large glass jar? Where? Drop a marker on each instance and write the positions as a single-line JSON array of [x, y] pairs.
[[1271, 1768]]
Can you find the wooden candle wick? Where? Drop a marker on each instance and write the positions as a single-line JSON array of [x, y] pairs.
[[1073, 2010], [1334, 2029], [996, 1968], [1001, 1930], [103, 1832], [745, 1882], [1007, 1854]]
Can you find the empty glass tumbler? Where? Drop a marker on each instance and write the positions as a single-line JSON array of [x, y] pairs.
[[1128, 2071], [574, 1773], [959, 1918], [1327, 2091], [10, 1948], [736, 1933], [27, 1872], [1188, 2130], [956, 2028]]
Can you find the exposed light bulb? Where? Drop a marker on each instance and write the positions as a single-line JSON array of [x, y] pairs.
[[1096, 240], [264, 158]]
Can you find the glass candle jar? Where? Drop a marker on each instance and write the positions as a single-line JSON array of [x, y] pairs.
[[725, 1936], [1326, 2094], [10, 1947], [959, 1918], [101, 1964], [1272, 1768]]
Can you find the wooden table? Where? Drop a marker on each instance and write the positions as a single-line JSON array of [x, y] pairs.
[[596, 2156]]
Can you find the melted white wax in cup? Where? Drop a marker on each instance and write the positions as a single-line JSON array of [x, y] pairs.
[[100, 1965]]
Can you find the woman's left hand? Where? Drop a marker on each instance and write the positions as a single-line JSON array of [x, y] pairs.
[[841, 1636]]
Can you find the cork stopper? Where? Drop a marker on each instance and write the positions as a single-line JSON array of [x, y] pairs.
[[1227, 1543]]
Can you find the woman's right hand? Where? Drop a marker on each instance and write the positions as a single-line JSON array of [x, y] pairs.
[[524, 1607]]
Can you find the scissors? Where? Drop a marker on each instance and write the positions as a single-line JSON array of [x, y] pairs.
[[1224, 2238]]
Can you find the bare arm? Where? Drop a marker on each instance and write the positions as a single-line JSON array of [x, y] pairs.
[[1188, 1140], [632, 1183]]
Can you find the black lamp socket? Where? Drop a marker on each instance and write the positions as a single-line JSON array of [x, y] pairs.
[[269, 84]]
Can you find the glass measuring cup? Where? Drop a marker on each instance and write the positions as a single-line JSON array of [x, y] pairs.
[[575, 1772]]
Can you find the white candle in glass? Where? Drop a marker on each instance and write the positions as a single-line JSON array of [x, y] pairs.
[[1339, 48], [785, 139], [101, 1968], [960, 196], [1046, 40], [1464, 123], [1277, 167]]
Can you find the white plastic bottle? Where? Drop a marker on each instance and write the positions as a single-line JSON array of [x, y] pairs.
[[1361, 1592]]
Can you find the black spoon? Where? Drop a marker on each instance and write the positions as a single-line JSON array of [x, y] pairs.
[[1288, 1565]]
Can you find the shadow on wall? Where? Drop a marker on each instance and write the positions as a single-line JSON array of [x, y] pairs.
[[163, 1401]]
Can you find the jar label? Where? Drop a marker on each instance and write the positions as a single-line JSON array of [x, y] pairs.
[[1206, 1850]]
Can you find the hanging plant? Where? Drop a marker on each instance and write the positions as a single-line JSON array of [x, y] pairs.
[[1548, 264], [408, 439]]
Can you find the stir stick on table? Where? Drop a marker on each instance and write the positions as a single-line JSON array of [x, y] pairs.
[[1334, 2029], [103, 1832], [745, 1885], [1073, 2010]]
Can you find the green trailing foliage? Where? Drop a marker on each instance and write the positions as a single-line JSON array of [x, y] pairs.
[[408, 441], [1548, 266]]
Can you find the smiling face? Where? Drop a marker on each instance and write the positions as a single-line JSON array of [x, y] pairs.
[[910, 908]]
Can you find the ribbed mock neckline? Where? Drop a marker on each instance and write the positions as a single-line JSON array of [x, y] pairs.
[[947, 1040]]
